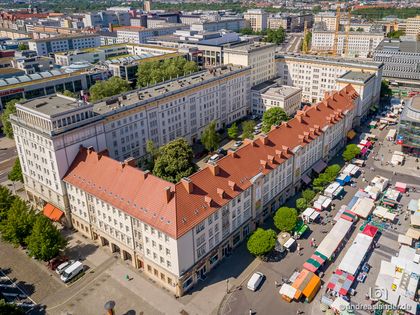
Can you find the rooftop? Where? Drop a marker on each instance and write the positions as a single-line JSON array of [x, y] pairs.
[[52, 105], [250, 47], [175, 209], [356, 76], [145, 95], [331, 60], [408, 46], [281, 91], [66, 36]]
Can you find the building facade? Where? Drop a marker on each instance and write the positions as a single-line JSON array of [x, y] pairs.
[[139, 35], [359, 44], [257, 19], [45, 46], [259, 56], [409, 127], [412, 27], [177, 233], [316, 75]]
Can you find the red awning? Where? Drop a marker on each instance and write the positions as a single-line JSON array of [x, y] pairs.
[[52, 212], [370, 230]]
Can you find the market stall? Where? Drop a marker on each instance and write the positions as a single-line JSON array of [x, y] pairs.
[[415, 220], [306, 284], [405, 240], [351, 170], [315, 262], [331, 189], [343, 179], [363, 207], [340, 283], [413, 233], [383, 213], [392, 133], [287, 292], [349, 216], [322, 203], [333, 239], [310, 215], [414, 205], [373, 192], [300, 229], [392, 194], [401, 187], [339, 305], [356, 254], [370, 230], [380, 182]]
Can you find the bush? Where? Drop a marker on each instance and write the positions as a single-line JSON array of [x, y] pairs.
[[285, 219], [261, 242]]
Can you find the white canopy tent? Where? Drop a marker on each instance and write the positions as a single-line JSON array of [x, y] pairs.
[[331, 188], [356, 253], [413, 233], [415, 220], [405, 240], [288, 291], [333, 239], [340, 304], [363, 207], [383, 213]]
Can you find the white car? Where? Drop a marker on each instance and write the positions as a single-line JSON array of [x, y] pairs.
[[255, 281]]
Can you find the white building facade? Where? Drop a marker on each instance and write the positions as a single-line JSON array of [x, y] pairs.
[[45, 46]]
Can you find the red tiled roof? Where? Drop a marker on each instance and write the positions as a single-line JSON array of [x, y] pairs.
[[209, 189]]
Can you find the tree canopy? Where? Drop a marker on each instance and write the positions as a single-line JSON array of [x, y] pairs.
[[10, 308], [385, 89], [285, 219], [175, 161], [16, 172], [69, 93], [23, 46], [273, 116], [306, 44], [351, 151], [276, 36], [326, 177], [9, 109], [261, 242], [301, 204], [233, 131], [395, 34], [18, 223], [210, 138], [153, 72], [6, 201], [110, 87], [248, 129], [308, 194], [45, 240]]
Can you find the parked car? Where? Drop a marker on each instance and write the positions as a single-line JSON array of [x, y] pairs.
[[221, 152], [259, 125], [214, 158], [71, 271], [60, 268], [255, 281], [53, 263], [237, 144]]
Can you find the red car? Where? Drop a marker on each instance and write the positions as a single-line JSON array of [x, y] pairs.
[[55, 262]]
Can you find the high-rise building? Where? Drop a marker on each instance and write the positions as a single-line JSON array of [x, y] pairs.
[[148, 5], [409, 127], [413, 26], [45, 46], [257, 19]]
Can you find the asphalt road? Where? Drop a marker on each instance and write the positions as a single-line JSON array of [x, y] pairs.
[[8, 154]]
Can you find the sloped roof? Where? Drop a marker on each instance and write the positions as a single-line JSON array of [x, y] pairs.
[[193, 199]]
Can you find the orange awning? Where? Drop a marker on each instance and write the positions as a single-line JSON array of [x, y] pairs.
[[52, 212]]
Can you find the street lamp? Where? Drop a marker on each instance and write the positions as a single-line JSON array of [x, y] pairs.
[[109, 307]]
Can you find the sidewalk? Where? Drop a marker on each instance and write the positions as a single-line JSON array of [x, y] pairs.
[[6, 143]]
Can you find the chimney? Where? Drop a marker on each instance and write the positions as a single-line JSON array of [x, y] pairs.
[[285, 123], [270, 158], [130, 161], [250, 141], [145, 174], [221, 193], [90, 150], [263, 163], [264, 139], [233, 153], [111, 29], [188, 184], [299, 118], [232, 185], [273, 127], [168, 194], [214, 168], [208, 200]]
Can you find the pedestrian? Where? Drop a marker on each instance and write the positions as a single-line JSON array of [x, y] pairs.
[[127, 277], [250, 311], [276, 284], [312, 243]]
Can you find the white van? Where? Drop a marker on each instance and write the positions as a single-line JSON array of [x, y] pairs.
[[71, 271], [60, 268], [255, 281]]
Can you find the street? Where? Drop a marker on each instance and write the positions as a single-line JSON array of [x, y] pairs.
[[8, 154]]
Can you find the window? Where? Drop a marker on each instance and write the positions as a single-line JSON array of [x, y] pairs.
[[201, 251], [200, 227]]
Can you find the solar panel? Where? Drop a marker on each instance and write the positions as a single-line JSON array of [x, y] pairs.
[[45, 74], [3, 83], [12, 81], [35, 76], [56, 72]]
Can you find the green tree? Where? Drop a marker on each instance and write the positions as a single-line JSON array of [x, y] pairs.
[[143, 73], [308, 194], [301, 204], [153, 152], [45, 241], [285, 219], [18, 223], [10, 308], [233, 131], [395, 34], [6, 201], [16, 172], [273, 116], [331, 172], [316, 9], [69, 93], [190, 67], [8, 110], [210, 138], [261, 242], [246, 31], [351, 151], [248, 129], [175, 161], [359, 29], [104, 89], [385, 89], [320, 182], [306, 44], [23, 46], [276, 36]]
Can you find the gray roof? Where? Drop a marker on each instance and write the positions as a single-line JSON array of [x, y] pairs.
[[51, 105], [409, 46], [356, 76]]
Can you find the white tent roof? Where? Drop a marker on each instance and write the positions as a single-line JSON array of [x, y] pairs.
[[331, 188], [289, 242], [387, 268], [380, 211], [415, 220], [287, 290], [363, 207], [404, 239], [331, 241], [356, 253], [408, 305], [314, 215], [413, 205], [308, 212], [339, 304], [413, 233]]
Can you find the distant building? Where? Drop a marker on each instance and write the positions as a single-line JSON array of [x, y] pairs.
[[259, 56], [413, 26], [105, 18], [409, 127], [401, 60], [43, 47], [231, 24], [257, 19], [271, 94], [139, 35], [148, 5]]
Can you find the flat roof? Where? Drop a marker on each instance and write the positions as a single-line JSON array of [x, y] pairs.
[[408, 46], [66, 36], [9, 70], [249, 47], [282, 90], [51, 105], [415, 103], [331, 60], [357, 76], [144, 95]]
